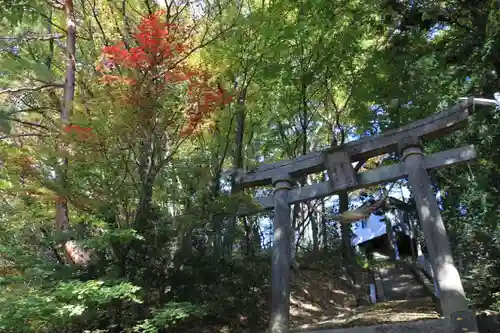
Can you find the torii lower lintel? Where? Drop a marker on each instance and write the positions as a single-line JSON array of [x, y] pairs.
[[369, 178]]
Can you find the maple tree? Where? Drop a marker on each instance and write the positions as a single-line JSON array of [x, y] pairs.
[[157, 99], [148, 71]]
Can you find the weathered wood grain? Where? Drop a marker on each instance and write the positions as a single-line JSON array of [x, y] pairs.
[[369, 178], [432, 127], [341, 173], [451, 292]]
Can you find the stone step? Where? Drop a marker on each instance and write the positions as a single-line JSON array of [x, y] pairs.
[[427, 326], [399, 283]]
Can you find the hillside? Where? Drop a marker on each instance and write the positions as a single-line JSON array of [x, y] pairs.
[[323, 298]]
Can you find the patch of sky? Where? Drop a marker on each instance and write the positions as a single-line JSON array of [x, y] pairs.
[[437, 29], [378, 110], [462, 210], [14, 50]]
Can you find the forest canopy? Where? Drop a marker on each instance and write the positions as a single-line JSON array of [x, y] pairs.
[[122, 123]]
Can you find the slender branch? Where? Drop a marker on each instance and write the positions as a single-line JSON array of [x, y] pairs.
[[201, 45], [25, 89], [226, 146], [49, 19], [40, 110], [50, 56], [96, 18], [29, 36], [19, 135], [28, 123], [148, 6]]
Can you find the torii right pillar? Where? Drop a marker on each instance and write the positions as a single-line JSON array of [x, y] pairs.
[[454, 305]]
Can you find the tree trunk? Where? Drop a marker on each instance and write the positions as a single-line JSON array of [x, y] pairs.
[[412, 236], [217, 163], [73, 253], [314, 231], [348, 253], [246, 244], [237, 164], [390, 237], [418, 244], [216, 218], [147, 175], [347, 248], [144, 206], [324, 227], [256, 239]]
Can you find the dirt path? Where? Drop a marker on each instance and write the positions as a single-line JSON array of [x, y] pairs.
[[322, 301], [382, 313]]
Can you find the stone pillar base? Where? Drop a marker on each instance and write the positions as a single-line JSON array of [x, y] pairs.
[[462, 321]]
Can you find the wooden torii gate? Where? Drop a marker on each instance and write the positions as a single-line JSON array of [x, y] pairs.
[[406, 141]]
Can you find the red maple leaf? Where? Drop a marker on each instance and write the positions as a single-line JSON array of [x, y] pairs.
[[80, 133]]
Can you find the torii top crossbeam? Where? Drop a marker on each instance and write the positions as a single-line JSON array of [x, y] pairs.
[[430, 128]]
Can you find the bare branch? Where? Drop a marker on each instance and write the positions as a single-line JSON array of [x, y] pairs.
[[27, 123], [148, 6], [96, 18], [48, 18], [40, 110], [204, 42], [25, 89], [31, 36], [19, 135]]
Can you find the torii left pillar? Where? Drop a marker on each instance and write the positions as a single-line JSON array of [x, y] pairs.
[[280, 276]]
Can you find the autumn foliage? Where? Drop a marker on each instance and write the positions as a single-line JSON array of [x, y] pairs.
[[79, 132], [157, 63]]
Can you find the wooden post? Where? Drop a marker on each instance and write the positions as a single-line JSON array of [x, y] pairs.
[[452, 296], [340, 171], [280, 279]]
